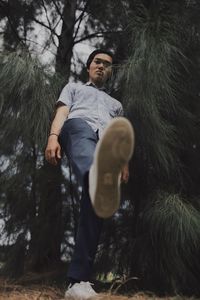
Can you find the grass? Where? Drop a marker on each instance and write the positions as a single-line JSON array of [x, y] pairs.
[[13, 291]]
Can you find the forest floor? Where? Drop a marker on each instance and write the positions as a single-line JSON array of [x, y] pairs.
[[13, 291]]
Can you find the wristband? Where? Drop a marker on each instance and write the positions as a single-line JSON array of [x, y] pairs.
[[53, 134]]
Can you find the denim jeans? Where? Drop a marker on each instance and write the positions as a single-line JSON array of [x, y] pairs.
[[78, 140]]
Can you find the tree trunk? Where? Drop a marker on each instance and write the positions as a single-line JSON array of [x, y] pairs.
[[47, 234], [66, 40], [47, 237]]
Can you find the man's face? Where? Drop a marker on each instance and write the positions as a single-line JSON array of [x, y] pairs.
[[100, 69]]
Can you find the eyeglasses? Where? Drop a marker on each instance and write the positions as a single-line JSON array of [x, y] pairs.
[[106, 64]]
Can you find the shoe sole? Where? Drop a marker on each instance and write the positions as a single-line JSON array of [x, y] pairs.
[[113, 151]]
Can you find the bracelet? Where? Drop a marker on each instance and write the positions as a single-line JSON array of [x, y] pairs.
[[53, 134]]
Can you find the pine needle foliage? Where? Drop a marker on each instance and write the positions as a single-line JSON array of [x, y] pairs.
[[153, 84], [160, 93], [28, 95], [174, 224]]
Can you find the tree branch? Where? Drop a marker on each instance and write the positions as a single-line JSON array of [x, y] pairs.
[[5, 7], [83, 11], [52, 29], [43, 48], [46, 26], [15, 31], [96, 34], [57, 24], [80, 18], [4, 3], [58, 10], [46, 13], [51, 36]]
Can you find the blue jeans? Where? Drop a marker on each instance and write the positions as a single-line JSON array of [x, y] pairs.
[[78, 141]]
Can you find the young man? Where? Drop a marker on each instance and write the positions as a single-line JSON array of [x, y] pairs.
[[99, 146]]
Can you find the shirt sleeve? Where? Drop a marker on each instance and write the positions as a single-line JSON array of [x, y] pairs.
[[120, 111], [66, 96]]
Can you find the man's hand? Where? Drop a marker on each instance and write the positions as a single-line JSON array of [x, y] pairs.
[[53, 150], [125, 174]]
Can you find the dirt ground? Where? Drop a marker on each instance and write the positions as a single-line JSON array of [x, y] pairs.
[[10, 291]]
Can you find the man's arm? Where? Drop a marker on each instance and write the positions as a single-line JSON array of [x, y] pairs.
[[53, 149]]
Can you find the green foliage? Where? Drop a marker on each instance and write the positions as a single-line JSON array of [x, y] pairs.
[[28, 95], [17, 21], [160, 80], [153, 85], [155, 236], [174, 224]]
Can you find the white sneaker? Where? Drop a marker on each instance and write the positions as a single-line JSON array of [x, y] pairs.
[[80, 291], [113, 151]]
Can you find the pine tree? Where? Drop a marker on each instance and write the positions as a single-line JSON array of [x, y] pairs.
[[160, 80], [25, 125], [28, 95]]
